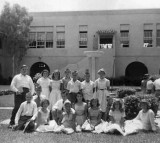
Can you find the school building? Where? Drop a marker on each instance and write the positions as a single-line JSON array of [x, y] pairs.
[[123, 42]]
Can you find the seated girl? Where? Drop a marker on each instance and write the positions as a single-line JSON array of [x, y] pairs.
[[94, 115], [143, 121], [42, 122], [68, 121], [80, 111], [117, 115]]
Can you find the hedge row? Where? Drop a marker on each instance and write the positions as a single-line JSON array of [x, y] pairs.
[[6, 92]]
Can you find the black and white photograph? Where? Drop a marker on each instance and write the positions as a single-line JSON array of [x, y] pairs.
[[80, 71]]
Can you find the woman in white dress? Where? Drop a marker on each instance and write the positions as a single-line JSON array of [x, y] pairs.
[[102, 85], [144, 120], [55, 84], [44, 82]]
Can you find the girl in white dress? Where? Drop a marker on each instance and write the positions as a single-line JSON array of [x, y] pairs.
[[55, 84], [42, 121], [44, 82], [117, 115], [102, 85]]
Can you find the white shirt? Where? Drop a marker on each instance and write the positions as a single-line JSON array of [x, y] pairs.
[[102, 83], [87, 89], [147, 119], [149, 85], [26, 109], [59, 105], [74, 86], [20, 81], [156, 83]]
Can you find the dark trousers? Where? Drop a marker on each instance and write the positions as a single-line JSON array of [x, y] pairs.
[[22, 121], [18, 99]]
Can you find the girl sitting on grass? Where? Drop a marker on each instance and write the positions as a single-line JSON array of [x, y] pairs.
[[116, 115], [94, 116], [144, 120], [68, 121], [80, 111], [42, 121]]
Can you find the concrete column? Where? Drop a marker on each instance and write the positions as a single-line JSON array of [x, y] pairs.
[[93, 55], [93, 68]]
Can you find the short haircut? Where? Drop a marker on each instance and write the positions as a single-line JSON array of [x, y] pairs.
[[23, 66], [45, 70], [44, 100]]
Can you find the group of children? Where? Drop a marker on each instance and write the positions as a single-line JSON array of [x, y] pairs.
[[69, 105]]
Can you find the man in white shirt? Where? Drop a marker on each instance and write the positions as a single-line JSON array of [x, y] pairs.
[[21, 84], [27, 112]]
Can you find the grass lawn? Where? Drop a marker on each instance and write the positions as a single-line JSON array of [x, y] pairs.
[[9, 136]]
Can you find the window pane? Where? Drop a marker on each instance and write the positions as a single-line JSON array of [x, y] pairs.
[[40, 36], [83, 36], [32, 39], [158, 33], [49, 40], [158, 42]]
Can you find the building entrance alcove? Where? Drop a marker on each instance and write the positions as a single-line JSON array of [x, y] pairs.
[[135, 72], [38, 68]]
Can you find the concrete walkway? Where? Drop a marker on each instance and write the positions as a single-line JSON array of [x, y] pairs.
[[6, 108]]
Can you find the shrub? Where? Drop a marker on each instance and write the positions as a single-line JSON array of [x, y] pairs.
[[5, 92], [132, 103], [123, 92]]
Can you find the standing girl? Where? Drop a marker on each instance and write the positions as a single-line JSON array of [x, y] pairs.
[[102, 85], [44, 82], [80, 109], [55, 83]]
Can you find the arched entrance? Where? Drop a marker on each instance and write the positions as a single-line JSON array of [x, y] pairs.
[[135, 71], [38, 68]]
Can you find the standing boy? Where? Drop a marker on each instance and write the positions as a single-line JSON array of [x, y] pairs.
[[73, 86], [21, 84]]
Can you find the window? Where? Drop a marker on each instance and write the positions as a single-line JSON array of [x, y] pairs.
[[60, 36], [32, 39], [124, 35], [106, 41], [49, 39], [83, 36], [148, 42], [158, 36], [41, 40]]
